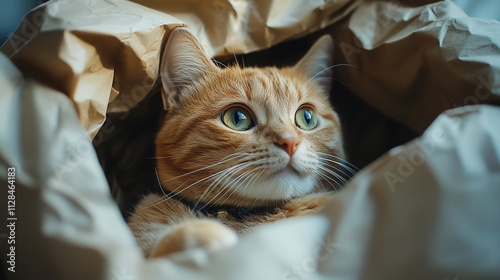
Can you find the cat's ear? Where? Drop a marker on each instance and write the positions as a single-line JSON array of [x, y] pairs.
[[183, 63], [315, 64]]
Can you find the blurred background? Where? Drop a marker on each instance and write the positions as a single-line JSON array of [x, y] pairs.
[[13, 11]]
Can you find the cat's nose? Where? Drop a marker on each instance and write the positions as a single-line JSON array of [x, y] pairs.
[[289, 144]]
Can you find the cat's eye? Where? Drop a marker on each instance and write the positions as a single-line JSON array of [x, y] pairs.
[[238, 118], [306, 118]]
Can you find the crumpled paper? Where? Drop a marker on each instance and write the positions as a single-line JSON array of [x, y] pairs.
[[95, 45], [424, 210], [412, 63]]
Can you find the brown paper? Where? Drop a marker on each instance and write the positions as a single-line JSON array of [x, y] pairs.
[[100, 52], [92, 51], [424, 210], [412, 63], [227, 27]]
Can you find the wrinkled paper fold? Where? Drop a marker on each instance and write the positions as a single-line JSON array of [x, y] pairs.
[[426, 209]]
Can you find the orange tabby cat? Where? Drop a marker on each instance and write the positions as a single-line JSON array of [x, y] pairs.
[[238, 147]]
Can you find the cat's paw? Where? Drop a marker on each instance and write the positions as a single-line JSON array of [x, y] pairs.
[[307, 205], [208, 234]]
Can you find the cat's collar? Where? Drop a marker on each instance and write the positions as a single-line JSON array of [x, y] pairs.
[[221, 211], [227, 211]]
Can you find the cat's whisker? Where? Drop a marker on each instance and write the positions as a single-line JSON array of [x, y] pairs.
[[240, 75], [159, 183], [224, 160], [338, 179], [328, 163], [175, 193], [254, 178], [164, 198], [353, 169], [227, 185], [222, 173], [230, 187], [217, 174], [318, 180], [342, 180], [333, 79], [221, 190], [234, 187], [227, 172], [322, 71], [338, 173], [155, 158], [341, 159], [195, 183], [334, 184], [212, 185], [340, 81], [235, 59]]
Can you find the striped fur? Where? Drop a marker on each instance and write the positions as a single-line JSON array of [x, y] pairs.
[[200, 159]]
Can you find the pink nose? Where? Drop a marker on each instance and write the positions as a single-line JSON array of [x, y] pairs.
[[288, 144]]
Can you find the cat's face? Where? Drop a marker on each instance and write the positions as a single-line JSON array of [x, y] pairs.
[[243, 136]]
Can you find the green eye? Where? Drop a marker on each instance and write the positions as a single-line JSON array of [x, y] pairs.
[[306, 118], [237, 118]]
